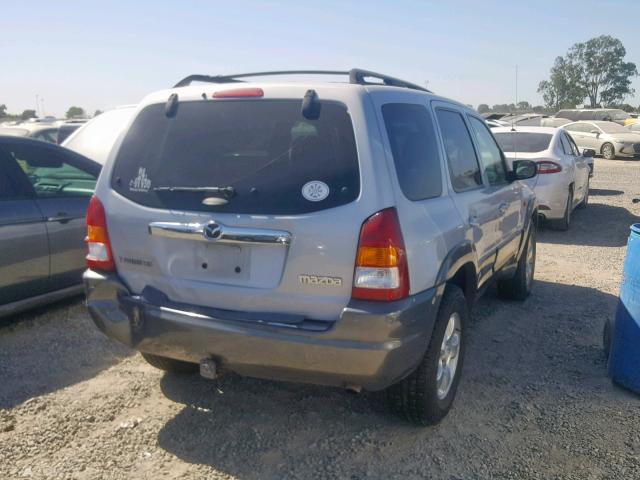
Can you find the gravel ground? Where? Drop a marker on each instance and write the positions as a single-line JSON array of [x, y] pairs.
[[534, 401]]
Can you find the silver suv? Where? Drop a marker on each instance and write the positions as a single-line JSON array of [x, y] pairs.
[[330, 233]]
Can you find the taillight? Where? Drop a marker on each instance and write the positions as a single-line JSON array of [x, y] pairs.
[[381, 263], [100, 256], [239, 93], [547, 166]]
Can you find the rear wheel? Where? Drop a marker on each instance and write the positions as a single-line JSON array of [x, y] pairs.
[[608, 151], [565, 221], [426, 396], [170, 364], [520, 285], [585, 201]]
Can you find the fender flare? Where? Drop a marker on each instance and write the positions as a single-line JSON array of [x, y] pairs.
[[458, 256]]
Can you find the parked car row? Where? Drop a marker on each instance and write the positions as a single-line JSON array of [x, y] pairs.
[[47, 131], [44, 195]]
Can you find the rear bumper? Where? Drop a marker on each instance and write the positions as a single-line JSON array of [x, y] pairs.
[[552, 199], [371, 345]]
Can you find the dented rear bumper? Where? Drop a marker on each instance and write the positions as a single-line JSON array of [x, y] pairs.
[[372, 344]]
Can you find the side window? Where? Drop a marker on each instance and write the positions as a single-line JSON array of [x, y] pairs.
[[415, 149], [13, 184], [566, 146], [461, 156], [490, 155], [50, 135], [574, 147], [52, 174]]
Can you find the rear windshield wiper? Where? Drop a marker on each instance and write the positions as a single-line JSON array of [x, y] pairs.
[[226, 192]]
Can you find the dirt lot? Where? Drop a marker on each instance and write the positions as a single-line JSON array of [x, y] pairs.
[[534, 401]]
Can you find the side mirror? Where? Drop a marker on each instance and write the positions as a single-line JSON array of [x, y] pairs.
[[523, 170], [595, 132], [588, 152]]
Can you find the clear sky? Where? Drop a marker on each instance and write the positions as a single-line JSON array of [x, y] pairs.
[[101, 54]]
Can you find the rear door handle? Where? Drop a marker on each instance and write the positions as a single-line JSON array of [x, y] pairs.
[[61, 217]]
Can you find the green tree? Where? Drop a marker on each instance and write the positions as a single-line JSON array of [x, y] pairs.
[[75, 112], [623, 106], [563, 88], [3, 110], [483, 108], [524, 106], [27, 114], [603, 73]]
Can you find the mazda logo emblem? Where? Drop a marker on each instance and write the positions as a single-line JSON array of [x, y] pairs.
[[212, 231]]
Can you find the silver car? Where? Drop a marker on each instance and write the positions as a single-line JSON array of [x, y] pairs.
[[608, 139], [330, 233], [562, 183]]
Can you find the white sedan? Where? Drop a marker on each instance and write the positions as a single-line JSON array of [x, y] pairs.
[[562, 182]]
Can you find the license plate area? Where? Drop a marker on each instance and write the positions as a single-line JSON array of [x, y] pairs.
[[214, 263]]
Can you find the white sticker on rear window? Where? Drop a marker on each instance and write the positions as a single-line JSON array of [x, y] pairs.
[[141, 183], [315, 191]]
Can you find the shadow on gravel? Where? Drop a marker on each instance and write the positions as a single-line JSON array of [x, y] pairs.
[[527, 364], [603, 192], [49, 348], [599, 225]]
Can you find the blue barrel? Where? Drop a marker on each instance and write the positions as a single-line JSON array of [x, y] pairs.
[[624, 356]]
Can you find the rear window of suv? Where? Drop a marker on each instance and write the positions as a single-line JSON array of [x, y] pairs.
[[266, 156]]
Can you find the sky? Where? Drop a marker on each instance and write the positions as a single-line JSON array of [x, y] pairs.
[[98, 55]]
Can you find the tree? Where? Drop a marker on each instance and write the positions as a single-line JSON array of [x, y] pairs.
[[483, 108], [27, 114], [3, 110], [563, 89], [524, 106], [623, 106], [603, 73], [75, 112]]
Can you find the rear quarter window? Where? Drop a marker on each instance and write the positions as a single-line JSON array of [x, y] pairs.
[[415, 150], [275, 160]]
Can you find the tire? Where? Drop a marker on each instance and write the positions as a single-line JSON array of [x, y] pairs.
[[421, 398], [585, 201], [565, 222], [520, 285], [608, 151], [170, 364]]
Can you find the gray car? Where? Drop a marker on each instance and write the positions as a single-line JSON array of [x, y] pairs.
[[44, 193], [321, 232], [608, 139]]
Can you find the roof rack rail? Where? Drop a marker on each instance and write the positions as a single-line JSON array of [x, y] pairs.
[[356, 76]]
